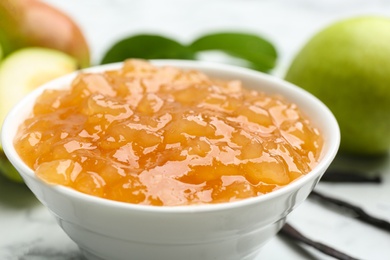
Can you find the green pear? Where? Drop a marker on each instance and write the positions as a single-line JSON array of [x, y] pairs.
[[21, 72], [347, 66]]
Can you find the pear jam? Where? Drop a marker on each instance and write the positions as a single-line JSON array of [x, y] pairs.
[[165, 136]]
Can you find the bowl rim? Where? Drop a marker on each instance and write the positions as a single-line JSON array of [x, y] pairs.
[[327, 157]]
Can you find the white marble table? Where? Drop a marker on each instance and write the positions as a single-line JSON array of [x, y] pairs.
[[27, 231]]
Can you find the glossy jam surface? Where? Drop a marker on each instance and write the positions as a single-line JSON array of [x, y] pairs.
[[166, 136]]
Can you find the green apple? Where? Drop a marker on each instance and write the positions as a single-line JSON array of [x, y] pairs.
[[21, 72], [347, 66]]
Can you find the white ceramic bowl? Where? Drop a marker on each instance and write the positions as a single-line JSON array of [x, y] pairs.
[[112, 230]]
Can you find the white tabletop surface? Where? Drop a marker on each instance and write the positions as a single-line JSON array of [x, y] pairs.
[[28, 231]]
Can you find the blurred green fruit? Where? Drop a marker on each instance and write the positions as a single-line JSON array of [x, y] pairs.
[[347, 66], [7, 170]]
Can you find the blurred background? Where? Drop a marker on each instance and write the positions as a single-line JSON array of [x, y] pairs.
[[287, 24]]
